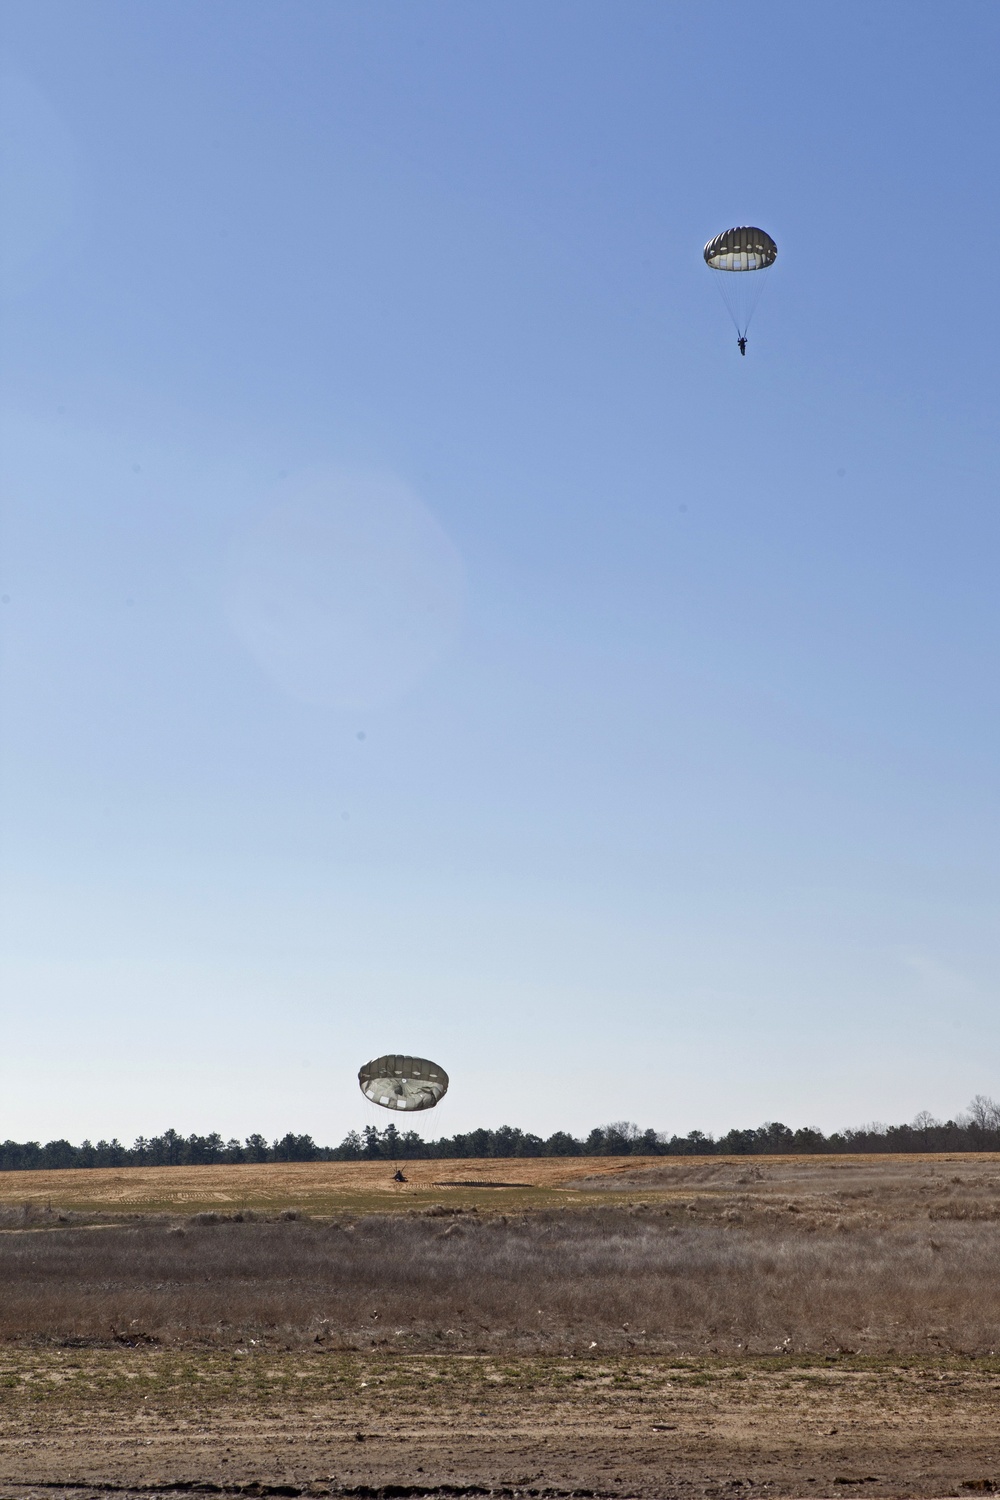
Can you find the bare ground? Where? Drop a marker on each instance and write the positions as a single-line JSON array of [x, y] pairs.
[[333, 1423]]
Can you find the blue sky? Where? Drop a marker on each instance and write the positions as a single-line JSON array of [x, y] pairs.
[[422, 631]]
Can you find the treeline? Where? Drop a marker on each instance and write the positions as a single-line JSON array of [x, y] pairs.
[[166, 1150], [976, 1130]]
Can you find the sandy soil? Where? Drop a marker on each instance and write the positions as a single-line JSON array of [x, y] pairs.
[[333, 1424]]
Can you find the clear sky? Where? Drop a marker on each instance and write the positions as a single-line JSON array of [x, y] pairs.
[[421, 630]]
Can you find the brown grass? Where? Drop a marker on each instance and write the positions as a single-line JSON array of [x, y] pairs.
[[618, 1328], [607, 1278], [315, 1187], [865, 1189]]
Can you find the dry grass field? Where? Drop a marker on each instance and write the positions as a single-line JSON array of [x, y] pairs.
[[647, 1327], [311, 1187], [863, 1188]]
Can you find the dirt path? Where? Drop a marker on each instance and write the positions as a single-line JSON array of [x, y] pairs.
[[328, 1423]]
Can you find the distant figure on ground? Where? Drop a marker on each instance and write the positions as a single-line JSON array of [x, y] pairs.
[[398, 1175], [742, 341]]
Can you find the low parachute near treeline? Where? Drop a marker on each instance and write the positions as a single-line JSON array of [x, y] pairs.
[[740, 255], [401, 1082]]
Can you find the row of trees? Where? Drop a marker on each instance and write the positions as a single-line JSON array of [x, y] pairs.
[[166, 1150], [976, 1130]]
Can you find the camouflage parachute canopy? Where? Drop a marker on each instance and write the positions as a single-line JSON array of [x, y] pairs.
[[398, 1082], [742, 249]]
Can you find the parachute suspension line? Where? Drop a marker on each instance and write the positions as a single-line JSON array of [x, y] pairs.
[[719, 277], [372, 1117], [399, 1082], [756, 290], [740, 292], [371, 1120]]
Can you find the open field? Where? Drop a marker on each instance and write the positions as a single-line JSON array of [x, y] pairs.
[[310, 1187], [859, 1189], [688, 1326], [564, 1282]]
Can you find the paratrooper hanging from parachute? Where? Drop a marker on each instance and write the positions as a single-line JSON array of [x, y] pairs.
[[401, 1082], [736, 254]]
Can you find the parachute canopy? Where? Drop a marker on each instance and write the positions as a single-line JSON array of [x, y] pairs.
[[398, 1082], [740, 250]]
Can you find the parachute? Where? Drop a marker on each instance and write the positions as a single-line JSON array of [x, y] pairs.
[[736, 253], [398, 1082]]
